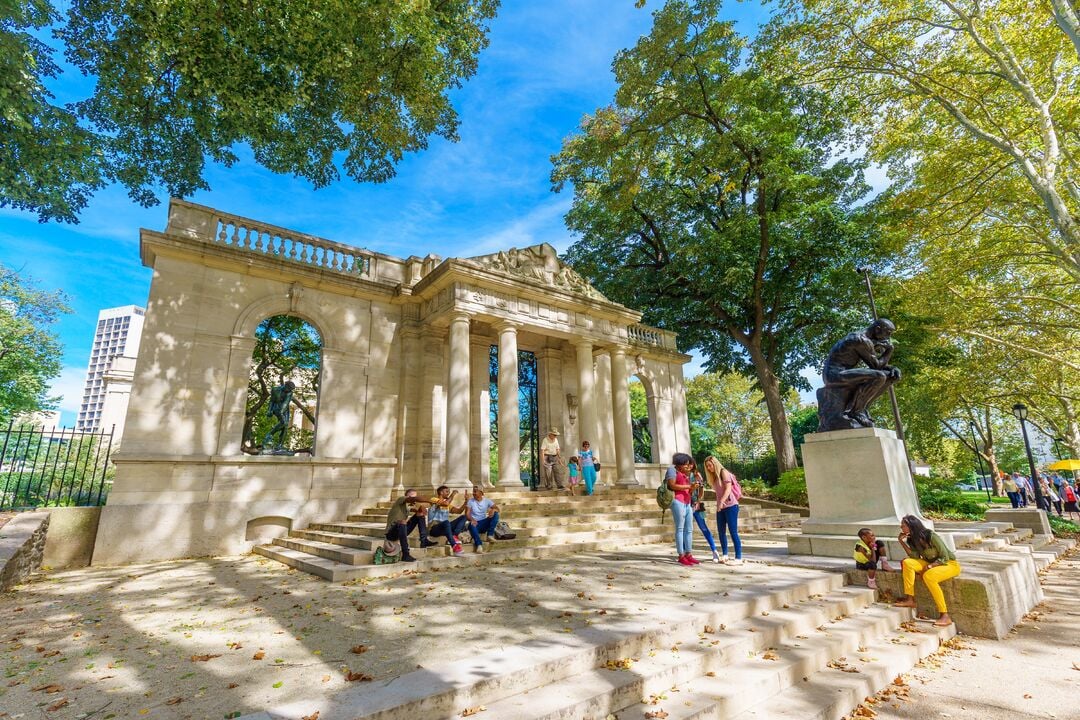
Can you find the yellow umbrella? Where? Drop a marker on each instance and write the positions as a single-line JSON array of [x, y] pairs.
[[1065, 465]]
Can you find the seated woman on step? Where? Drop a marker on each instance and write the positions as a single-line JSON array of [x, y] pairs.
[[929, 556]]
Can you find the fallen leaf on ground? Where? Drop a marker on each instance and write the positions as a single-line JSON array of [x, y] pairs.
[[656, 714], [50, 688], [232, 686], [259, 655], [359, 649], [174, 701], [473, 710], [203, 658], [57, 705], [353, 677], [312, 716]]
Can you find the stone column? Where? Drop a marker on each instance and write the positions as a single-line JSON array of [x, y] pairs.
[[509, 412], [620, 406], [457, 403], [586, 394]]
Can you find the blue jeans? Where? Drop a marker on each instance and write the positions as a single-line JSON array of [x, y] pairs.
[[1014, 498], [588, 474], [699, 518], [728, 519], [484, 527], [684, 531], [447, 529]]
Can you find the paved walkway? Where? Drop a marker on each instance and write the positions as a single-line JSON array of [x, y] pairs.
[[1033, 673]]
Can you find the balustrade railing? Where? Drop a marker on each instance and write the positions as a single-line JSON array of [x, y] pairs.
[[242, 234], [655, 337]]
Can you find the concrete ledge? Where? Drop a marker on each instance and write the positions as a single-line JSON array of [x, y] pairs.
[[22, 545], [1034, 520], [69, 543]]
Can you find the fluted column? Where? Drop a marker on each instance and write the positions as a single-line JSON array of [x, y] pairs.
[[509, 411], [457, 403], [586, 394], [620, 406]]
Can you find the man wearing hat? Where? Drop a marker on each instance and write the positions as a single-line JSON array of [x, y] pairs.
[[550, 456]]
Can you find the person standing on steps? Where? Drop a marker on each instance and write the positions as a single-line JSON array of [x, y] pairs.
[[483, 516], [727, 508], [397, 522], [550, 458], [438, 518], [930, 557], [678, 481], [697, 499], [589, 463]]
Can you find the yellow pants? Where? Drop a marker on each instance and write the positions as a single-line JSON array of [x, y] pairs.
[[933, 577]]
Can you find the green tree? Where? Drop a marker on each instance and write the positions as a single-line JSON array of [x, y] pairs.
[[713, 196], [355, 84], [731, 411], [639, 420], [30, 352], [964, 99]]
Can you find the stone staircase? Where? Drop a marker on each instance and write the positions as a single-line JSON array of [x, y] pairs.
[[805, 648], [546, 522]]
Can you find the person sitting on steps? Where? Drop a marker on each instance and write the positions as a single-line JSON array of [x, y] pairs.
[[483, 516], [930, 557], [869, 551], [438, 518], [398, 522]]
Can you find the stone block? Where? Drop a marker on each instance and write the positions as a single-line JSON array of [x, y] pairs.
[[69, 542], [1031, 518], [22, 546]]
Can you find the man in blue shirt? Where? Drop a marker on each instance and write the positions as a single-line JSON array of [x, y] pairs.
[[483, 516]]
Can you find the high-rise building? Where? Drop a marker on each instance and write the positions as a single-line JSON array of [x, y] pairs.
[[116, 336]]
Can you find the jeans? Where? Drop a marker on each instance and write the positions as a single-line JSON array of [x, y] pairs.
[[932, 576], [483, 527], [699, 518], [728, 519], [684, 531], [588, 473], [1014, 498], [448, 529], [421, 521], [400, 533]]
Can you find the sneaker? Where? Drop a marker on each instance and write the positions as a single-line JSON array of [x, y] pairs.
[[693, 560], [871, 583], [491, 538], [716, 557], [736, 561], [408, 558], [458, 552], [478, 548], [428, 543], [684, 561]]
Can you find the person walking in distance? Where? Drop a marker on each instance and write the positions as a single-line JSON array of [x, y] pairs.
[[727, 507]]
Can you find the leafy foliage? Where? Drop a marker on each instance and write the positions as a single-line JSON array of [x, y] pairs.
[[353, 84], [639, 419], [791, 488], [30, 353], [940, 496], [286, 348], [711, 194]]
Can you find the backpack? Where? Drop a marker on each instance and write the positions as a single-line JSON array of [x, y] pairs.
[[502, 532], [387, 553], [736, 488], [1070, 494], [664, 495]]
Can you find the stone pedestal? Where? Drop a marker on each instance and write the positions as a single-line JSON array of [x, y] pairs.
[[854, 479], [1032, 518]]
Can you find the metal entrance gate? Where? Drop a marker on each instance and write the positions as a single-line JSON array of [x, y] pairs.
[[528, 411]]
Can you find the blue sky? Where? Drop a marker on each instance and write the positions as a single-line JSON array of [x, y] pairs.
[[548, 64]]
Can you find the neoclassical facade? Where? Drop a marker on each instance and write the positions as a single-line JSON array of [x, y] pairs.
[[405, 389]]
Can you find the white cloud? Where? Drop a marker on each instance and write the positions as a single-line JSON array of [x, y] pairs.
[[541, 224]]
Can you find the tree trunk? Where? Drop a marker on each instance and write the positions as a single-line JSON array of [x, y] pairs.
[[774, 401]]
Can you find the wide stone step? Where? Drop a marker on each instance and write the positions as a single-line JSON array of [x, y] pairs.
[[535, 668]]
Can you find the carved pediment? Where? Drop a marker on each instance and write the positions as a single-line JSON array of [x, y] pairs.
[[538, 263]]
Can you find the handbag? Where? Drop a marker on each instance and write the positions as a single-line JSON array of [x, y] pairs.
[[596, 466], [502, 531]]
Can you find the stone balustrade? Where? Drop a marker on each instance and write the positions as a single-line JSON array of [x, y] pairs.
[[243, 234], [651, 337]]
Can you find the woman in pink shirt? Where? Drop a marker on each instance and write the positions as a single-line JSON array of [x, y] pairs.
[[678, 480], [727, 507]]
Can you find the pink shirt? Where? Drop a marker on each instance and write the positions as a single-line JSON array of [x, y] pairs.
[[721, 487], [682, 496]]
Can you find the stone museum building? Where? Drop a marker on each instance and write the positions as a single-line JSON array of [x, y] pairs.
[[406, 386]]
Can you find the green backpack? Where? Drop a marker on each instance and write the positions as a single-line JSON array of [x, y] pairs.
[[664, 495]]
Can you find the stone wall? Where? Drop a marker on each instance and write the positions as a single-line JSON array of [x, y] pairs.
[[70, 540], [22, 546]]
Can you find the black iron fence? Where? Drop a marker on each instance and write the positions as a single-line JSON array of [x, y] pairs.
[[53, 468]]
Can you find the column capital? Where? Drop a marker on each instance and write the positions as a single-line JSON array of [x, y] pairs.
[[459, 316], [583, 342], [501, 326]]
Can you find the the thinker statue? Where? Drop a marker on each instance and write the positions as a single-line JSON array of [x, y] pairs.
[[280, 399], [849, 389]]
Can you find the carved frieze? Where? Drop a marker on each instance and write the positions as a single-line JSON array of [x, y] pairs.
[[538, 263]]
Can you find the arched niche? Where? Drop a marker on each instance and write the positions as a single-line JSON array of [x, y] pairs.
[[281, 411], [643, 418]]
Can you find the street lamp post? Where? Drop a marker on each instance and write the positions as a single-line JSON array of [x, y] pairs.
[[865, 272], [1057, 448], [978, 456], [1021, 412]]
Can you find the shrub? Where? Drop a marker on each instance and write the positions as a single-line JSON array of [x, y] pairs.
[[939, 496], [791, 488], [1064, 527], [755, 487]]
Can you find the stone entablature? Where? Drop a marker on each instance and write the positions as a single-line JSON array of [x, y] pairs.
[[404, 384]]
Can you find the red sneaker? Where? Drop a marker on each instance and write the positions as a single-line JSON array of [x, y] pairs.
[[691, 560], [684, 561]]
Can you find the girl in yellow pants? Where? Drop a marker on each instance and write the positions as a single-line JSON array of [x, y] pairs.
[[929, 556]]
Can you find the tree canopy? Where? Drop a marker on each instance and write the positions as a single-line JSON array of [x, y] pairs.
[[713, 195], [30, 353], [313, 90]]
